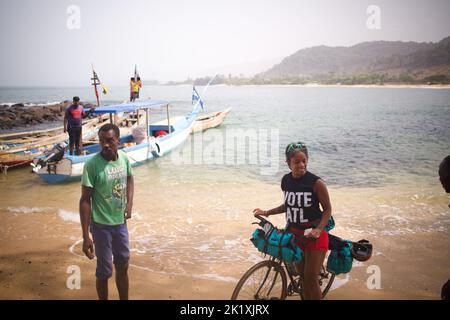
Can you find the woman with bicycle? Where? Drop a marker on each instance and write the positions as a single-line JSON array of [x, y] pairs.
[[303, 192]]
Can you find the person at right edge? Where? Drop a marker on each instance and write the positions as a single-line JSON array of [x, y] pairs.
[[105, 205], [444, 177], [303, 192]]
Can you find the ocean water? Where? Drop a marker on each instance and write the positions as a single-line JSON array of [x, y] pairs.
[[356, 136], [378, 150]]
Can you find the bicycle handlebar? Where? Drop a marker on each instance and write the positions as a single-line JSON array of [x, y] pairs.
[[263, 221], [259, 217]]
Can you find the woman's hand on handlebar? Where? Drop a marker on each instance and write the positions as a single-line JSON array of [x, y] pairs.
[[259, 212]]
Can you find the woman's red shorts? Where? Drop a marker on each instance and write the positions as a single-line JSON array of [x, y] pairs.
[[320, 244]]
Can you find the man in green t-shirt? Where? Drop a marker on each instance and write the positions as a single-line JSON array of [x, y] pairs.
[[106, 202]]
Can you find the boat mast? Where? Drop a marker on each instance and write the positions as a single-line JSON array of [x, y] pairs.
[[95, 78], [147, 122], [168, 117]]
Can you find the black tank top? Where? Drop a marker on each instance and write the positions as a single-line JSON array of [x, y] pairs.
[[300, 200]]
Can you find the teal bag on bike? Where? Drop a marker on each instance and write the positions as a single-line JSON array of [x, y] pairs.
[[330, 224], [340, 260], [278, 244]]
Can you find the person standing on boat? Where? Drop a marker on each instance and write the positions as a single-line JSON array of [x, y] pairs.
[[139, 83], [135, 84], [132, 82], [134, 88], [107, 189], [73, 119]]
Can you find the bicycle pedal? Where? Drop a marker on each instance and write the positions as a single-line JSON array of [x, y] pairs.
[[291, 290]]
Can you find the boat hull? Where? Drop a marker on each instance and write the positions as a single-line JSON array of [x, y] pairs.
[[21, 154], [70, 168], [210, 121]]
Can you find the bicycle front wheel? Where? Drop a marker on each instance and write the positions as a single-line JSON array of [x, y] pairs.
[[325, 281], [266, 280]]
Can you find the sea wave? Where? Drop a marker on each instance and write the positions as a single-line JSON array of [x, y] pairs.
[[207, 276], [30, 104], [339, 282], [70, 216], [65, 215], [27, 210]]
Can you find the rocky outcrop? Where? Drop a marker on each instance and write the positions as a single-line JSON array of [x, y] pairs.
[[20, 115]]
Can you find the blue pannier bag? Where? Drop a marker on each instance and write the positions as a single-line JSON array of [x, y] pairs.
[[340, 259], [277, 243], [330, 224]]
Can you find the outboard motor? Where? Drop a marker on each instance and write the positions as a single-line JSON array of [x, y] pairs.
[[56, 154]]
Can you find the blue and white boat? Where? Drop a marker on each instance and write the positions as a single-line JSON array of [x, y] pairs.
[[157, 140]]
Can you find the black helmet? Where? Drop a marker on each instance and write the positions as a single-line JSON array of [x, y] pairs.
[[361, 250]]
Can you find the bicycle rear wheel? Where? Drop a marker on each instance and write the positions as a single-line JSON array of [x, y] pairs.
[[266, 280]]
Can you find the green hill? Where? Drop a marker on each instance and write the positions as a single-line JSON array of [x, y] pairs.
[[368, 62]]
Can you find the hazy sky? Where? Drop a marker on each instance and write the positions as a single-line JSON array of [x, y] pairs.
[[174, 39]]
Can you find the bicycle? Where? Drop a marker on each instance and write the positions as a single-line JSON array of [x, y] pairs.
[[271, 271]]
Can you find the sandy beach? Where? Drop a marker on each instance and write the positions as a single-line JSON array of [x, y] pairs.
[[37, 269], [355, 94], [40, 241], [30, 271], [191, 225]]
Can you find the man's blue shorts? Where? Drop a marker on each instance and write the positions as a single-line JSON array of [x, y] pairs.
[[109, 242]]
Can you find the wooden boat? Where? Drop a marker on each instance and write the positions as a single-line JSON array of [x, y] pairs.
[[35, 136], [153, 145], [16, 153], [25, 136], [209, 121]]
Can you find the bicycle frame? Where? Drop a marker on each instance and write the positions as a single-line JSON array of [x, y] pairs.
[[294, 285]]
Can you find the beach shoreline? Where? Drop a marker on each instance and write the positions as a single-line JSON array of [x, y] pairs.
[[317, 85], [35, 261], [41, 272], [192, 220]]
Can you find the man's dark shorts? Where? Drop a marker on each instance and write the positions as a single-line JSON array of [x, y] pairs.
[[109, 242]]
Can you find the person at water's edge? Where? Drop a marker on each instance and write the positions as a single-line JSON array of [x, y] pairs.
[[303, 193], [444, 174], [105, 206], [73, 118], [444, 177]]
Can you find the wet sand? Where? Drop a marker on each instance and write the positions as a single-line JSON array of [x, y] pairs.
[[40, 232], [33, 269]]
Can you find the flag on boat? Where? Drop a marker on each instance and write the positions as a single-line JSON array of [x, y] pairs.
[[97, 81], [196, 97]]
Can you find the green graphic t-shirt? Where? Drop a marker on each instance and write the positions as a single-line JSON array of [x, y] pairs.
[[109, 181]]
